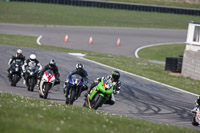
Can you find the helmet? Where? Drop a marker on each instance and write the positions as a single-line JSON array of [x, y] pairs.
[[52, 62], [79, 66], [19, 52], [115, 75], [32, 57]]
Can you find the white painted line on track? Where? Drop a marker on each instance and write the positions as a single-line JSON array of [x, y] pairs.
[[138, 49], [77, 54], [38, 40], [140, 77]]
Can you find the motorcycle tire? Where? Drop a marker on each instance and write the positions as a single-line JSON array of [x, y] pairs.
[[46, 90], [28, 84], [32, 84], [40, 96], [85, 104], [194, 123], [14, 80], [72, 96], [98, 102]]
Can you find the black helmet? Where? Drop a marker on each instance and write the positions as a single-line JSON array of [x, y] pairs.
[[79, 66], [115, 75], [52, 62]]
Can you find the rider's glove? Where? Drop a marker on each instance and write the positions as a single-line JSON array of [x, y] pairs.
[[85, 87], [96, 81], [117, 92], [39, 76], [114, 83], [67, 80]]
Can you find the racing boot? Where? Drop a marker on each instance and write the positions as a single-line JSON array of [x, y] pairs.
[[67, 101], [64, 91], [86, 94], [24, 82], [38, 84]]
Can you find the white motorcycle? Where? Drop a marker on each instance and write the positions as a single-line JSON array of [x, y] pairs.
[[46, 83], [196, 117]]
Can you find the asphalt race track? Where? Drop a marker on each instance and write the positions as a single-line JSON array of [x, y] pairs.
[[104, 39], [139, 98]]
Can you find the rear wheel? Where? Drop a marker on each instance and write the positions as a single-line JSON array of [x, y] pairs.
[[98, 101], [194, 123], [40, 96], [85, 104]]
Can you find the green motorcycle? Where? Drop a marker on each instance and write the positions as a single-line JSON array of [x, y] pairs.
[[99, 94]]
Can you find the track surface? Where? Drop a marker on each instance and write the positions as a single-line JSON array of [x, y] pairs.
[[138, 98], [104, 39]]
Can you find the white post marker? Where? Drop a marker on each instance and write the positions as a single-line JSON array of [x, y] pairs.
[[38, 40]]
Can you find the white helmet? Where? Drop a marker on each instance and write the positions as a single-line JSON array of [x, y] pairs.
[[79, 66], [32, 57], [19, 51]]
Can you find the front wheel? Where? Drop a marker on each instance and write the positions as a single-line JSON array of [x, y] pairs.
[[72, 96], [32, 84], [46, 90], [15, 79], [98, 101]]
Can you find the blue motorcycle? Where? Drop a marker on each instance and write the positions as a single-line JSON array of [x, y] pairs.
[[75, 84]]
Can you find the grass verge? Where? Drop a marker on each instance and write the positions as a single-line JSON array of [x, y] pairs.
[[51, 14], [23, 114], [159, 53], [140, 67]]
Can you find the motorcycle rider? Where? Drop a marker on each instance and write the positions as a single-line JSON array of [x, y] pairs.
[[31, 61], [115, 82], [18, 57], [197, 103], [80, 71], [51, 66]]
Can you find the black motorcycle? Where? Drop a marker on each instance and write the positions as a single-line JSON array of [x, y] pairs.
[[32, 76], [15, 72]]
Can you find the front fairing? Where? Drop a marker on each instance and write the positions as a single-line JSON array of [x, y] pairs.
[[101, 89], [32, 70], [48, 76], [15, 67], [75, 81]]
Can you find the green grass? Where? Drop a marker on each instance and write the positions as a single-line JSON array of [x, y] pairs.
[[173, 3], [23, 114], [159, 53], [139, 66], [50, 14]]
